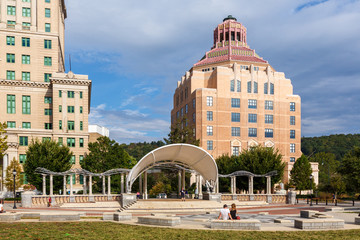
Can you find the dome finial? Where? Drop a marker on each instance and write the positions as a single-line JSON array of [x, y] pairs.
[[230, 17]]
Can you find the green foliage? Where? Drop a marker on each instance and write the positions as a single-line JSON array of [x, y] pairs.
[[49, 155], [160, 187], [106, 154], [9, 180], [139, 150], [350, 170], [300, 174], [328, 166], [180, 133], [3, 137]]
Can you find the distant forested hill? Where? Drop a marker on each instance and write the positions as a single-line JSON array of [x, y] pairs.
[[138, 150], [338, 144]]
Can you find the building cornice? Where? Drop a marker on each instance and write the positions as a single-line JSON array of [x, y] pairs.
[[68, 81], [17, 83]]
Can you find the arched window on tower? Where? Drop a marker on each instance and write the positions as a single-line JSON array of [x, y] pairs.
[[232, 85]]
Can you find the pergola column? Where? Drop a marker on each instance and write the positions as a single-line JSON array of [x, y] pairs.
[[251, 185], [183, 179], [109, 185], [140, 185], [268, 185], [84, 185], [122, 183], [179, 181], [233, 185], [200, 185], [126, 187], [64, 185], [145, 185], [90, 185], [44, 184], [51, 185], [71, 184], [217, 185], [103, 185]]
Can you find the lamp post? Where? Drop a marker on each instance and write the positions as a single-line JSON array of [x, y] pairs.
[[311, 177], [14, 174]]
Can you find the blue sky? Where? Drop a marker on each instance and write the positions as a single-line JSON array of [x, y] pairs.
[[136, 51]]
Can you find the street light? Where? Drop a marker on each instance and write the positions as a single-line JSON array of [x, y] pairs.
[[311, 177], [14, 174]]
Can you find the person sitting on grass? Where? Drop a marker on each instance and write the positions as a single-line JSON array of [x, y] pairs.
[[225, 213], [233, 212]]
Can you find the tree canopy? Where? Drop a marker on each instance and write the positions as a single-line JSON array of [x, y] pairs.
[[139, 150], [9, 180], [182, 132], [3, 138], [300, 174], [350, 170]]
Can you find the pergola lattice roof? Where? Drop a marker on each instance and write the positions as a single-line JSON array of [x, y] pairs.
[[79, 171], [248, 174]]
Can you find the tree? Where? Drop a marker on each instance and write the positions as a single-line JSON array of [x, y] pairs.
[[49, 155], [3, 137], [350, 170], [328, 166], [139, 150], [160, 187], [300, 174], [9, 180], [181, 132], [106, 154], [337, 185]]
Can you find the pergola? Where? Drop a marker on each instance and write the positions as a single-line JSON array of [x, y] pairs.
[[45, 172], [251, 180]]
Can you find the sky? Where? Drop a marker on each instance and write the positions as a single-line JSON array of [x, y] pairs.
[[135, 52]]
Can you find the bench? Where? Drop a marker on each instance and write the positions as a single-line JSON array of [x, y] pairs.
[[59, 217], [327, 223], [160, 221], [117, 216], [9, 217], [308, 213], [243, 224], [108, 217]]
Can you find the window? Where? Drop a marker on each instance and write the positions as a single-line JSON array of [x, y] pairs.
[[47, 27], [81, 125], [60, 93], [11, 24], [271, 88], [81, 95], [235, 102], [10, 40], [47, 1], [26, 0], [60, 108], [182, 112], [60, 124], [47, 61], [292, 147], [238, 85], [292, 107], [23, 141], [81, 159], [11, 104], [194, 117], [73, 177], [186, 108], [26, 26], [48, 100], [26, 12], [44, 139], [48, 126], [209, 101], [269, 133], [252, 118], [177, 114], [47, 44], [60, 141], [244, 67], [235, 131], [255, 87], [209, 130], [10, 58], [209, 145], [71, 142], [11, 10], [26, 105], [292, 133], [269, 119], [25, 59], [47, 77], [25, 76], [266, 88], [25, 42], [292, 120], [81, 142], [269, 105], [235, 117], [236, 151], [252, 132], [249, 86], [186, 92], [22, 158], [81, 109], [48, 111], [71, 109], [71, 94], [256, 68], [72, 161], [252, 103], [71, 125], [292, 159], [11, 124], [26, 125], [10, 75], [47, 12], [194, 103], [209, 115], [232, 86]]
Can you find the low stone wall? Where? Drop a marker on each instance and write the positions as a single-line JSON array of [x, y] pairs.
[[246, 224], [59, 217], [160, 221], [319, 223], [122, 216], [270, 198], [9, 217], [357, 220], [30, 215], [307, 213], [41, 200]]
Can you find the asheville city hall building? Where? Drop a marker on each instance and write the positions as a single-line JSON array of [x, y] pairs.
[[37, 99], [234, 99]]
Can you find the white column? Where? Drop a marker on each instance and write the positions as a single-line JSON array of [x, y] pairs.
[[51, 185], [145, 185], [90, 185], [84, 185], [140, 185], [179, 181], [217, 185], [200, 185], [268, 185], [71, 184], [183, 179], [64, 185], [44, 184], [109, 185], [5, 165], [122, 183], [103, 185], [251, 185], [232, 185], [126, 187]]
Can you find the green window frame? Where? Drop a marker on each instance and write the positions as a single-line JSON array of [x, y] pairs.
[[11, 104], [47, 1], [60, 124], [81, 159], [25, 42], [11, 124], [47, 44], [70, 109], [23, 141], [48, 126], [44, 139], [60, 93], [26, 104], [47, 61], [10, 58], [60, 108], [10, 40], [81, 177], [47, 12], [81, 142], [71, 125], [22, 158], [60, 141], [26, 0], [48, 111], [11, 10], [24, 177], [47, 77], [26, 12], [48, 100], [25, 59], [26, 26], [47, 27], [70, 142], [72, 161], [81, 125], [26, 125], [25, 76], [11, 24], [81, 94], [71, 94], [81, 109], [10, 75]]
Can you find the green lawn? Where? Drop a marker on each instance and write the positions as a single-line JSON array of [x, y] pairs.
[[108, 230]]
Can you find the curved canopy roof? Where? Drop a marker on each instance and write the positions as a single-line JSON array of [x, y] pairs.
[[185, 155]]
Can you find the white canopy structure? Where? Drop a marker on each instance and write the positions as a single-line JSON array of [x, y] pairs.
[[186, 155]]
